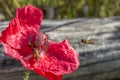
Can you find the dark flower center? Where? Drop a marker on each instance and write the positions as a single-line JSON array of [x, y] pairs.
[[38, 43]]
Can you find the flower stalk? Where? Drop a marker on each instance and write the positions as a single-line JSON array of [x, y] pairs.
[[27, 74]]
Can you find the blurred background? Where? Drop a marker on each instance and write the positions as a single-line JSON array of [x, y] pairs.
[[63, 9]]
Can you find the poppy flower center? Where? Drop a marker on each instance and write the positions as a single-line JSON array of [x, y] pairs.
[[38, 43]]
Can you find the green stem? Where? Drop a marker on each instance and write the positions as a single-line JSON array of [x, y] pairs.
[[27, 73]]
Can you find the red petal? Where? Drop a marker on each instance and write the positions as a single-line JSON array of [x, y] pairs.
[[49, 75], [60, 59], [26, 22], [25, 55], [15, 37], [11, 51]]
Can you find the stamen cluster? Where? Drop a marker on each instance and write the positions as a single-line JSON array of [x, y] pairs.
[[38, 43]]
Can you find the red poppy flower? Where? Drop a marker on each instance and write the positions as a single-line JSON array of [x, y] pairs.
[[23, 41]]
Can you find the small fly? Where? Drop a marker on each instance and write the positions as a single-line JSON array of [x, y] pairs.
[[87, 41]]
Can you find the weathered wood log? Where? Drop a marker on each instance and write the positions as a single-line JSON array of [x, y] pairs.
[[98, 62]]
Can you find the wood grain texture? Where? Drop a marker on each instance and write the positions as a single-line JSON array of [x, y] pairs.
[[98, 62]]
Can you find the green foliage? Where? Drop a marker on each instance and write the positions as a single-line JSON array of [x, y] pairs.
[[64, 8]]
